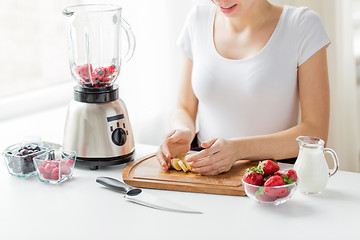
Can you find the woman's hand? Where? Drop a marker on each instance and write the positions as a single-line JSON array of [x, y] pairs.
[[175, 143], [218, 156]]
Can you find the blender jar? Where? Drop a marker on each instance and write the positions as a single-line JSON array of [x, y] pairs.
[[95, 47]]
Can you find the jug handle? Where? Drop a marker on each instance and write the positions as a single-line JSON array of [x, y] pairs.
[[131, 40], [335, 159]]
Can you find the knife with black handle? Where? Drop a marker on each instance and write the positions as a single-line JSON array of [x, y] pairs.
[[136, 195]]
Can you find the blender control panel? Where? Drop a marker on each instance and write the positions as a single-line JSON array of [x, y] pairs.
[[118, 129]]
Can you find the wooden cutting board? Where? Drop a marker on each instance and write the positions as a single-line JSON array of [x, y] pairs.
[[147, 173]]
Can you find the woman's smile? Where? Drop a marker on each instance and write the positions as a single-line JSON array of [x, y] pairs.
[[229, 9]]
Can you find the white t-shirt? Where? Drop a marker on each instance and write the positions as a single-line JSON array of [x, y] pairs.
[[256, 95]]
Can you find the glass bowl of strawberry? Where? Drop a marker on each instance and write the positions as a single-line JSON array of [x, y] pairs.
[[268, 185], [55, 165]]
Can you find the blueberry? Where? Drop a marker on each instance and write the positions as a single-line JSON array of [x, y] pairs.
[[28, 159], [25, 168], [24, 152], [100, 72], [32, 167]]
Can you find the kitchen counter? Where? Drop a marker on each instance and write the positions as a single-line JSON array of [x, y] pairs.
[[82, 209]]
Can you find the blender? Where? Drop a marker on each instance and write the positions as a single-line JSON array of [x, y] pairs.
[[97, 124]]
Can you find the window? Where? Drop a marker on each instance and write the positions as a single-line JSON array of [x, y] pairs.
[[33, 45]]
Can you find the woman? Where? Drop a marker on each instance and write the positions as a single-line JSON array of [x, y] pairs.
[[248, 66]]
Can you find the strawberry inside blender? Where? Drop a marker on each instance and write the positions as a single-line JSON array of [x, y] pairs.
[[96, 78]]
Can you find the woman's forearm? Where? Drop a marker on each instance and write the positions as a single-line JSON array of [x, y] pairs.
[[281, 145]]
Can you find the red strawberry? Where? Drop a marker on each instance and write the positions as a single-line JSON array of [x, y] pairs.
[[268, 167], [261, 196], [291, 176], [287, 193], [266, 177], [84, 71], [273, 182], [251, 189], [266, 198], [253, 177]]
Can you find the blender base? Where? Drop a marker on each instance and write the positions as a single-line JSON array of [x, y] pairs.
[[95, 163]]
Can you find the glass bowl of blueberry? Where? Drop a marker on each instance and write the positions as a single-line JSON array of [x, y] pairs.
[[19, 157]]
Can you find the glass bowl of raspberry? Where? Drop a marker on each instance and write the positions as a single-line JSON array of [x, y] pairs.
[[271, 195], [19, 157], [55, 165]]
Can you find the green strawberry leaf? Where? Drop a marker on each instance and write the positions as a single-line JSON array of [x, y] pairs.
[[256, 170], [260, 191], [287, 180]]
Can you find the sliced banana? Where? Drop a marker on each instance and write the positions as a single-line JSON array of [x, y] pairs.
[[175, 164], [180, 163], [187, 165]]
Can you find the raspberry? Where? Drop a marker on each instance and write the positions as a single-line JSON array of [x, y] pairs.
[[48, 168], [55, 174], [56, 163], [41, 170], [47, 175], [46, 162], [70, 162], [65, 169]]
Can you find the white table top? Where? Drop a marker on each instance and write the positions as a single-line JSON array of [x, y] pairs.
[[82, 209]]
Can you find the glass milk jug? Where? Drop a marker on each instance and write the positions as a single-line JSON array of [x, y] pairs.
[[311, 166]]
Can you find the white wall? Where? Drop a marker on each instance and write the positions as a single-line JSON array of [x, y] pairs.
[[148, 82], [344, 136]]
